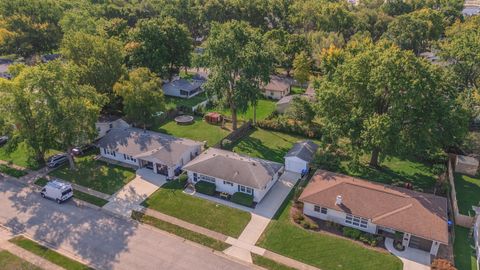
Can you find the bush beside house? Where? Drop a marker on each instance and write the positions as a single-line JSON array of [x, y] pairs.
[[243, 199], [363, 237], [205, 188]]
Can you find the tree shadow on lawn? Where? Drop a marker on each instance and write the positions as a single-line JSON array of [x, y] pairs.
[[95, 237], [254, 147]]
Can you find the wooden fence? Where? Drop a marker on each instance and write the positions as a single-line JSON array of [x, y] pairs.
[[462, 220], [235, 135]]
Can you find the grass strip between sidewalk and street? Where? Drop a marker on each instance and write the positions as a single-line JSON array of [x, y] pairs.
[[269, 264], [48, 254], [8, 261], [78, 194], [179, 231], [12, 171]]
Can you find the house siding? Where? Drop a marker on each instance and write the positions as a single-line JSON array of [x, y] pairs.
[[118, 157], [295, 164], [258, 194]]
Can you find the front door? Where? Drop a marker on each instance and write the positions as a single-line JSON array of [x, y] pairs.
[[148, 165]]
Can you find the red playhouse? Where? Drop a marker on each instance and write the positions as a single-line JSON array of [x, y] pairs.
[[213, 118]]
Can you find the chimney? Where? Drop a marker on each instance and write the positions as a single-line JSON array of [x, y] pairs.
[[338, 201]]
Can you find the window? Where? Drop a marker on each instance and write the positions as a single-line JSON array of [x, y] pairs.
[[356, 221], [109, 152], [316, 208], [245, 189], [195, 177], [207, 178], [322, 210], [228, 183]]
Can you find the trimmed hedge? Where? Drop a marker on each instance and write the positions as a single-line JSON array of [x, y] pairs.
[[243, 199], [205, 188], [364, 237]]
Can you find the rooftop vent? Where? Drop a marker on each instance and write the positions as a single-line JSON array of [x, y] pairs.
[[339, 200]]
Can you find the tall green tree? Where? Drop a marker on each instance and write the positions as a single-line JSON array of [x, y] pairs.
[[302, 66], [239, 63], [387, 101], [409, 33], [162, 45], [142, 96], [100, 60], [301, 109]]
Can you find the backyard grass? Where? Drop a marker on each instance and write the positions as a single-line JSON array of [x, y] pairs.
[[11, 171], [468, 193], [463, 250], [269, 264], [198, 131], [48, 254], [182, 232], [320, 250], [265, 107], [8, 261], [266, 144], [78, 194], [94, 174], [171, 200], [22, 156], [394, 170], [174, 102], [297, 90]]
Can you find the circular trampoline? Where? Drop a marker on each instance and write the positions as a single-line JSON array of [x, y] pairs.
[[184, 119]]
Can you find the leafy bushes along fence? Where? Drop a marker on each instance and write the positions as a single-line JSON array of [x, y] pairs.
[[205, 188], [243, 199], [283, 124]]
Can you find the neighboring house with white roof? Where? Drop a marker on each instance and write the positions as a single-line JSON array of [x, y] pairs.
[[161, 153], [298, 159], [232, 172], [183, 88], [277, 88], [378, 209], [107, 122]]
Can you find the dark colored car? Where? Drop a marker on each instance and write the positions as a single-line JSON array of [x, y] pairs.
[[81, 150], [3, 140], [56, 160]]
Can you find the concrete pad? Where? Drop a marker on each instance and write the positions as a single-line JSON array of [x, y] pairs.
[[239, 253], [413, 259], [245, 246], [254, 229]]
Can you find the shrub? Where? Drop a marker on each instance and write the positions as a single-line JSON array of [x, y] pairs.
[[298, 217], [442, 264], [243, 199], [182, 178], [283, 124], [205, 188], [351, 233]]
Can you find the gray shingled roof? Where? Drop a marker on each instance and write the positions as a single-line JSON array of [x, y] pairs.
[[149, 145], [233, 167], [304, 150], [182, 84]]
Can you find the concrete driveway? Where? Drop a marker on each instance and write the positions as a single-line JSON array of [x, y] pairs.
[[104, 241], [413, 259], [135, 192]]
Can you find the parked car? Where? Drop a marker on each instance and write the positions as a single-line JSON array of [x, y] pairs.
[[57, 191], [81, 150], [56, 160], [3, 140]]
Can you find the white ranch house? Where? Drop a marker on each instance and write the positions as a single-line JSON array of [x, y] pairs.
[[105, 123], [163, 154], [232, 172], [378, 209], [299, 157], [183, 88]]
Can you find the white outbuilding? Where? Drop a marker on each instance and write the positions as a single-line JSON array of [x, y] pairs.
[[299, 157]]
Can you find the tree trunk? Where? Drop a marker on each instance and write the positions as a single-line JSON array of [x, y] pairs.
[[255, 114], [40, 157], [374, 158], [71, 162], [234, 117]]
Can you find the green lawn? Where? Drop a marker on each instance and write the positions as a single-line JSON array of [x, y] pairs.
[[171, 200], [269, 264], [468, 193], [265, 107], [48, 254], [94, 174], [11, 171], [296, 90], [173, 102], [320, 250], [393, 170], [78, 194], [463, 250], [199, 131], [182, 232], [266, 144], [8, 261], [22, 156]]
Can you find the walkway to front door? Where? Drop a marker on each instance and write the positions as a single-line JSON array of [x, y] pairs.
[[134, 193]]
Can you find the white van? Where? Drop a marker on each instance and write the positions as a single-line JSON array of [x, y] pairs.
[[57, 191]]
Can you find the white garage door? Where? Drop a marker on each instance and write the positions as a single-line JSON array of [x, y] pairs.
[[295, 165]]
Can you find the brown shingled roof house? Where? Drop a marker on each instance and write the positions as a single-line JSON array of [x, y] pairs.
[[277, 88], [378, 209]]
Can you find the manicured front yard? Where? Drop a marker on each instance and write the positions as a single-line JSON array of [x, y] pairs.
[[48, 254], [321, 250], [468, 193], [198, 131], [171, 200], [94, 174], [8, 261], [463, 250], [182, 232], [269, 264], [266, 144], [22, 156], [265, 107]]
